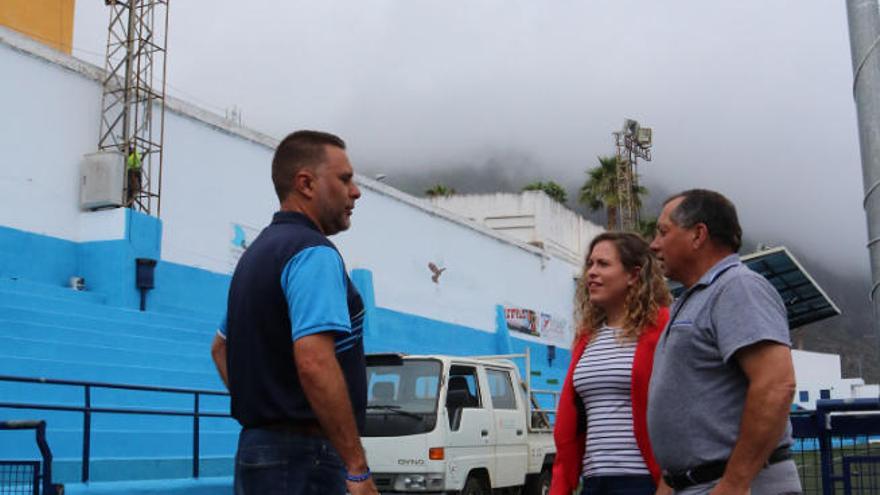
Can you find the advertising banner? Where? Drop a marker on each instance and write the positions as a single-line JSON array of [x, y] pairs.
[[548, 328]]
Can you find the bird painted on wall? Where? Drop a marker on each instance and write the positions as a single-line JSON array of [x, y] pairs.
[[436, 272], [239, 239]]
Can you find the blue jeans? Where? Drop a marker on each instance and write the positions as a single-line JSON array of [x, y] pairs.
[[272, 462], [619, 485]]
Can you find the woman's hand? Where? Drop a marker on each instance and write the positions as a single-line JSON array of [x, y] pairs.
[[663, 488]]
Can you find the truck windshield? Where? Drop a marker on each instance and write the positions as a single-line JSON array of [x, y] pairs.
[[402, 397]]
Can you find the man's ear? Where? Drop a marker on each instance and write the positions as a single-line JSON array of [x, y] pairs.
[[700, 235], [304, 182]]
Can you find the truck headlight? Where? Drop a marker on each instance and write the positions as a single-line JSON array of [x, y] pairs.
[[430, 481]]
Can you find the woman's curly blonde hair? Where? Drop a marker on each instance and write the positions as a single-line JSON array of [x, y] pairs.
[[644, 298]]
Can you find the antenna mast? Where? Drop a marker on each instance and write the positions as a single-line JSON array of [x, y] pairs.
[[133, 89], [633, 142]]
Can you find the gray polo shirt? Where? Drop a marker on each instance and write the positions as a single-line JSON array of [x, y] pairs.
[[697, 391]]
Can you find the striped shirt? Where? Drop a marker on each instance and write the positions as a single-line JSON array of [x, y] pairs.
[[603, 380]]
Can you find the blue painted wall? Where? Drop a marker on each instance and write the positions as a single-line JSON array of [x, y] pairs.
[[109, 270], [36, 258]]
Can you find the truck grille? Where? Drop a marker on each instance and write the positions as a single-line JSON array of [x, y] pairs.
[[383, 481]]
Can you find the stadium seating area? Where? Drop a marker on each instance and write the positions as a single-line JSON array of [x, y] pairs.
[[58, 333]]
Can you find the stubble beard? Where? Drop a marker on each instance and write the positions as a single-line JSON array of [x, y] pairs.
[[335, 224]]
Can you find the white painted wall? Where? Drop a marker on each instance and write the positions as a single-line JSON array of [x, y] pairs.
[[211, 179], [817, 371], [397, 241], [530, 216], [871, 391], [49, 121], [216, 176]]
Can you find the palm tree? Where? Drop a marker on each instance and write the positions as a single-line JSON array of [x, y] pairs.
[[552, 189], [648, 227], [600, 189], [439, 190]]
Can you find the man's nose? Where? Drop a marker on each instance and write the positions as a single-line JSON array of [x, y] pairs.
[[355, 191]]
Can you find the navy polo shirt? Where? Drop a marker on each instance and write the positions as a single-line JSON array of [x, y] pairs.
[[289, 283]]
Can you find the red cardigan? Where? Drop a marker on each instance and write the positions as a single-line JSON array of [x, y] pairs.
[[570, 442]]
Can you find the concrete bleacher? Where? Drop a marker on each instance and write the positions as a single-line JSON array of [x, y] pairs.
[[57, 333], [54, 332]]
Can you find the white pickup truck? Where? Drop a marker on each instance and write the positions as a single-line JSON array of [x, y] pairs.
[[441, 424]]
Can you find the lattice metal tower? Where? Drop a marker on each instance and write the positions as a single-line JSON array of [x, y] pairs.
[[633, 142], [133, 104]]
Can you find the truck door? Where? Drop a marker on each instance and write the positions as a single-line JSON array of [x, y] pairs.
[[471, 436], [509, 417]]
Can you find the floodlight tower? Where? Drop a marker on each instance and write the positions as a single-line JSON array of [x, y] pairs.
[[133, 102], [633, 142]]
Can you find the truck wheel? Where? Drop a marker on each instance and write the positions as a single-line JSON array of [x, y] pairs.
[[475, 486], [538, 485]]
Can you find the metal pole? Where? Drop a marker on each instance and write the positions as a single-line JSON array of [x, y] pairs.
[[529, 381], [46, 452], [87, 434], [162, 117], [195, 466], [864, 34], [127, 137], [826, 448]]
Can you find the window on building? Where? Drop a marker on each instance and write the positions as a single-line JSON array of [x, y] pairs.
[[825, 393], [804, 396]]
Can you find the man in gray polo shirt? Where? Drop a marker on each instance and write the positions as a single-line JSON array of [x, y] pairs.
[[723, 378]]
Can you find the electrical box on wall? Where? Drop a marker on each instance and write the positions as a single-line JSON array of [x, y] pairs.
[[101, 180]]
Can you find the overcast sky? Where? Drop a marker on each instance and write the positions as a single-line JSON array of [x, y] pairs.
[[750, 97]]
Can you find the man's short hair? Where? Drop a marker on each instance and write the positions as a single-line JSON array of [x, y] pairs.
[[299, 149], [713, 210]]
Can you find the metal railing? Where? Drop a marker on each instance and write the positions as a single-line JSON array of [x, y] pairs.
[[35, 478], [87, 409], [540, 419], [837, 447], [544, 418]]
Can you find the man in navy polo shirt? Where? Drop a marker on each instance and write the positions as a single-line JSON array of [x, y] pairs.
[[723, 377], [290, 348]]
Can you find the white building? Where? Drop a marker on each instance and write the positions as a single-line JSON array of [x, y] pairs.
[[819, 377], [531, 216]]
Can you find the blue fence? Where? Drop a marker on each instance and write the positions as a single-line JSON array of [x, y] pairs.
[[88, 410], [24, 476], [837, 447]]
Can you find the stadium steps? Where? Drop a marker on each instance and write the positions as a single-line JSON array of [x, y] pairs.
[[202, 486], [123, 323], [44, 290], [54, 332], [85, 303]]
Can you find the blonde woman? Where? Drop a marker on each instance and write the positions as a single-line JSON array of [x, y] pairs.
[[601, 429]]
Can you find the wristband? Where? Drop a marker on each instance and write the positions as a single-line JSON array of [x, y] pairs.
[[358, 478]]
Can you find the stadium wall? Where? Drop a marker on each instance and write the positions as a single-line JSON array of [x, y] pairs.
[[216, 195]]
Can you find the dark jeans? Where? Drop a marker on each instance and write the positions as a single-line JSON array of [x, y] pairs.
[[619, 485], [282, 463]]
